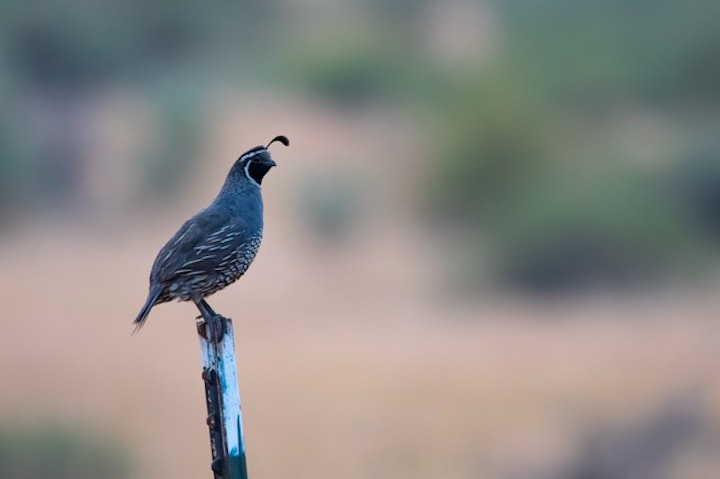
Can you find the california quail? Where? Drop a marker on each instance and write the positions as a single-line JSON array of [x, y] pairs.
[[216, 246]]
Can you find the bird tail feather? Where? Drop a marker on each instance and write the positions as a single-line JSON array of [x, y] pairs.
[[142, 316]]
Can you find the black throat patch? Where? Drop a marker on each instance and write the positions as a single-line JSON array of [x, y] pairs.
[[257, 171]]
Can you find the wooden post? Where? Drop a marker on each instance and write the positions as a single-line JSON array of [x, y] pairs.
[[222, 395]]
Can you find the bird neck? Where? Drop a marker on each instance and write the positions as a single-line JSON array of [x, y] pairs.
[[240, 195]]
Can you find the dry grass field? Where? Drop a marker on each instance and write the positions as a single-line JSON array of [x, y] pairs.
[[380, 387]]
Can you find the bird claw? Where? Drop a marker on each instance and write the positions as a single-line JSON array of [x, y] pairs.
[[212, 328], [215, 328]]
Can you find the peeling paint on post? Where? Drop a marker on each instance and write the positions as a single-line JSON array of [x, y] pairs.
[[224, 408]]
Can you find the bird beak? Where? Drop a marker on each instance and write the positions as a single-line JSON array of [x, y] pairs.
[[270, 163]]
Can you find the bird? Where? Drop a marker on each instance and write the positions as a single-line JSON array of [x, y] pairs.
[[215, 247]]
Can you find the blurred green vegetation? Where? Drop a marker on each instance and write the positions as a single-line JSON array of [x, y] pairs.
[[41, 452], [568, 159], [581, 151], [540, 160], [602, 228], [607, 53], [57, 58], [351, 72]]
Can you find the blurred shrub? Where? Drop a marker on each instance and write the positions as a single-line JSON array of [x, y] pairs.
[[59, 453], [57, 58], [359, 69], [536, 217], [697, 183], [346, 74], [614, 52], [10, 176], [493, 136], [513, 181], [77, 44], [583, 230]]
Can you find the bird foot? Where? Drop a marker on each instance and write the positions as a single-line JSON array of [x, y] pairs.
[[212, 327], [216, 328]]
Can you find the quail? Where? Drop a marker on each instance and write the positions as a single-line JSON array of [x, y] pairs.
[[216, 246]]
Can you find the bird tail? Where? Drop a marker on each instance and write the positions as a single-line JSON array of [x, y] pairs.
[[142, 316]]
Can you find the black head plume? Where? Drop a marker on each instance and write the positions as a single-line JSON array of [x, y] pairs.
[[281, 138]]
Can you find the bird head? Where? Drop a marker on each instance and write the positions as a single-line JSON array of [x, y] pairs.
[[254, 164]]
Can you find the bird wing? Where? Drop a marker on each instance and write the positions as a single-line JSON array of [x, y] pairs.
[[198, 246]]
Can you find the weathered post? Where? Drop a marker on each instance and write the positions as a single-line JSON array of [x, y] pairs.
[[222, 395]]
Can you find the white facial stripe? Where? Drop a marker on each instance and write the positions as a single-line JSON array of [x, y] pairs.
[[247, 171], [247, 156]]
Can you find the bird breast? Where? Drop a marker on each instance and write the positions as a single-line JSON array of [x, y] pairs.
[[215, 265]]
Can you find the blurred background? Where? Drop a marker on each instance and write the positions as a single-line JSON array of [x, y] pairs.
[[490, 251]]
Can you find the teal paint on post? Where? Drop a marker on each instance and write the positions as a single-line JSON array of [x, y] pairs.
[[221, 359], [236, 465]]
